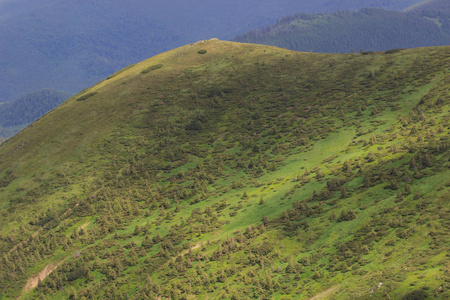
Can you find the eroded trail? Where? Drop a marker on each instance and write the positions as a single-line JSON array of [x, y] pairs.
[[326, 293], [196, 246], [34, 280]]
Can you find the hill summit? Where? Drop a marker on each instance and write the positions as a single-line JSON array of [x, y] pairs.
[[234, 171]]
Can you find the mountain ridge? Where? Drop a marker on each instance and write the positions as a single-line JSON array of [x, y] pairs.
[[71, 45], [430, 5], [368, 29]]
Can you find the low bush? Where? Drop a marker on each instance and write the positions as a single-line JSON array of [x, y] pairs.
[[86, 96], [392, 51], [151, 68], [416, 295]]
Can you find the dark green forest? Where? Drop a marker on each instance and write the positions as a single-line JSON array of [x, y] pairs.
[[436, 5], [26, 109], [364, 30]]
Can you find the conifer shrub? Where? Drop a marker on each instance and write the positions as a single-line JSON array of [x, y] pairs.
[[86, 96], [203, 51], [391, 51], [416, 295], [347, 215], [151, 68], [7, 179]]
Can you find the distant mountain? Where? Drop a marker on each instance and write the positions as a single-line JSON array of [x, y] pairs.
[[19, 113], [368, 29], [437, 11], [69, 45], [436, 5], [221, 170]]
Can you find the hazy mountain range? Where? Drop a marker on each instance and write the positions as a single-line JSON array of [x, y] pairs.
[[368, 29], [17, 114], [69, 45]]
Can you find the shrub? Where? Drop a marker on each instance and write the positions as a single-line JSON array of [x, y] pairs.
[[416, 295], [86, 96], [263, 249], [202, 51], [347, 215], [392, 51], [151, 68]]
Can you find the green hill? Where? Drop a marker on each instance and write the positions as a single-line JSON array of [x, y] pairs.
[[236, 171], [368, 29]]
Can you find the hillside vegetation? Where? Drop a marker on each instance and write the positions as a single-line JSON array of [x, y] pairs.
[[235, 171], [69, 45], [368, 29]]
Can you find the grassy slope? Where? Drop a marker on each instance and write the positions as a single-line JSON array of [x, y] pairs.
[[204, 148]]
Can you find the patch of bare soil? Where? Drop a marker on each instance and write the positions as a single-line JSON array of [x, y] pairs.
[[325, 293], [34, 280]]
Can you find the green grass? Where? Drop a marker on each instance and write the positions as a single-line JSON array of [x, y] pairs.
[[171, 153]]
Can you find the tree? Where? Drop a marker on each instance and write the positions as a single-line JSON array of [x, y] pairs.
[[261, 200], [346, 215]]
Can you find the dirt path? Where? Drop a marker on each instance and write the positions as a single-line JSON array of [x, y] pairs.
[[85, 225], [69, 210], [34, 280], [196, 246], [325, 293]]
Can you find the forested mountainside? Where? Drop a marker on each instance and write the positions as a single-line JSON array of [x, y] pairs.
[[436, 5], [364, 30], [227, 170], [18, 114], [69, 45]]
